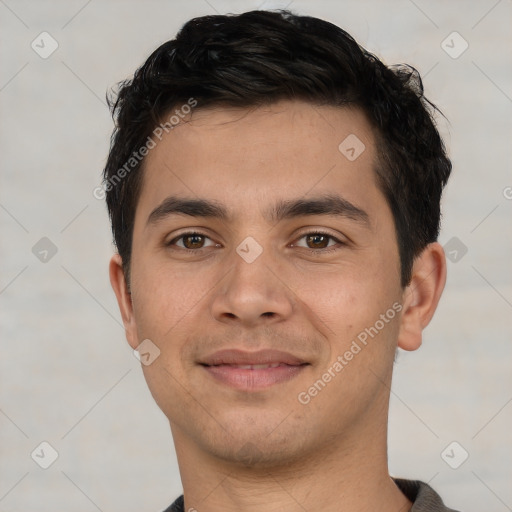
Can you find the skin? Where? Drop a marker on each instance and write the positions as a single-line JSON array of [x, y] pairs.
[[240, 450]]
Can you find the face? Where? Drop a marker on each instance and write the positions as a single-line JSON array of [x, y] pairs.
[[258, 241]]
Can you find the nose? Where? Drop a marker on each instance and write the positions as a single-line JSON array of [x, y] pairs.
[[252, 294]]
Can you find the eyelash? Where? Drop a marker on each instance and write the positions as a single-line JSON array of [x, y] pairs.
[[313, 251]]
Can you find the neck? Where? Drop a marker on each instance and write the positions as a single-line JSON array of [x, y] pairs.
[[348, 473]]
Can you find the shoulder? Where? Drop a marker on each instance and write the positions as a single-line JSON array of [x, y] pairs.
[[423, 497], [177, 506]]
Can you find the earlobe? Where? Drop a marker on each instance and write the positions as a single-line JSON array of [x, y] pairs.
[[421, 297], [124, 299]]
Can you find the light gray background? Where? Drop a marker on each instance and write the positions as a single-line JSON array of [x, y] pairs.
[[67, 375]]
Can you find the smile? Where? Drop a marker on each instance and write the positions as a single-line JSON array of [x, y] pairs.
[[252, 371], [254, 377], [255, 366]]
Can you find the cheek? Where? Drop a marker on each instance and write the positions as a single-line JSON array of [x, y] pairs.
[[350, 300], [163, 297], [167, 302], [341, 292]]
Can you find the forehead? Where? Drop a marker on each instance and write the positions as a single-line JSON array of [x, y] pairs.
[[246, 156]]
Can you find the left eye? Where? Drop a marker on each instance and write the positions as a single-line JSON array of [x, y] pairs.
[[317, 241], [192, 241]]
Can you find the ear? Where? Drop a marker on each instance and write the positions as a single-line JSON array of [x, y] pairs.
[[124, 299], [422, 295]]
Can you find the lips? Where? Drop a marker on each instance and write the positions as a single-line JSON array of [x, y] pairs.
[[255, 366], [262, 357], [252, 371]]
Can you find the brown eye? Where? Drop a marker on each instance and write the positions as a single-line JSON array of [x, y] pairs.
[[193, 241], [317, 241]]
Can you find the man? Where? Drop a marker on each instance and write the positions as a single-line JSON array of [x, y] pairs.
[[274, 192]]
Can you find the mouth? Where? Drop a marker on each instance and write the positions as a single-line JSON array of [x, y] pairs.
[[253, 371]]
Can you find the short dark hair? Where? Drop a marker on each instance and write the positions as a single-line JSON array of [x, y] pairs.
[[260, 57]]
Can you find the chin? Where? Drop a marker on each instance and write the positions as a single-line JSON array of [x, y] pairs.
[[258, 440], [264, 455]]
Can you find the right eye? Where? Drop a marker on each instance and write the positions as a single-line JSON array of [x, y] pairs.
[[192, 241]]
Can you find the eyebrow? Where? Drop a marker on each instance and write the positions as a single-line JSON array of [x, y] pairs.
[[330, 204]]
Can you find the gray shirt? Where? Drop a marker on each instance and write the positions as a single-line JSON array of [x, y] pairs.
[[423, 497]]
